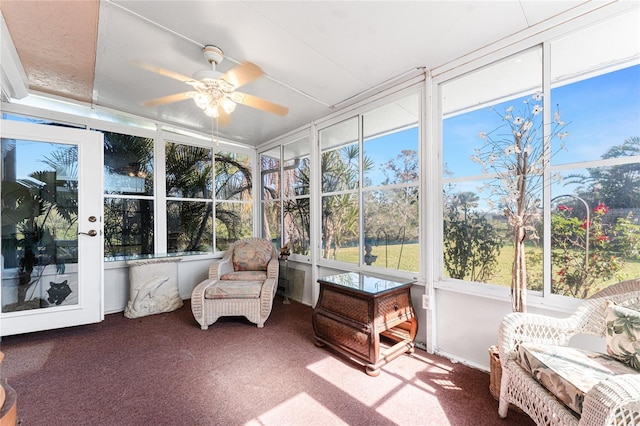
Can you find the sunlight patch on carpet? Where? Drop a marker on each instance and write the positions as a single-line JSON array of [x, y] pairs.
[[302, 409], [353, 381]]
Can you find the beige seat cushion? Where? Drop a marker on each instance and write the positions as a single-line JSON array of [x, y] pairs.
[[569, 373], [234, 290], [245, 276]]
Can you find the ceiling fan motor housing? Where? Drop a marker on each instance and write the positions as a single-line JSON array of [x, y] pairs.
[[213, 54]]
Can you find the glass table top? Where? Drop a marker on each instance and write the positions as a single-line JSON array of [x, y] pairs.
[[365, 283]]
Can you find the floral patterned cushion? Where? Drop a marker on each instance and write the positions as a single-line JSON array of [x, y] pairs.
[[234, 290], [623, 334], [245, 276], [252, 255], [568, 373]]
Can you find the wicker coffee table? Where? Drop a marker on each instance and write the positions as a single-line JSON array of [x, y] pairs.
[[355, 310]]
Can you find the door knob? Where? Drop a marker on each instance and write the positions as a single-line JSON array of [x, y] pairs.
[[91, 233]]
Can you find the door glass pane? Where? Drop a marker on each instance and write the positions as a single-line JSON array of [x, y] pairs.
[[39, 191]]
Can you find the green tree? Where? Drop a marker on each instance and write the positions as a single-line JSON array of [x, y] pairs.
[[471, 243], [616, 186], [340, 212]]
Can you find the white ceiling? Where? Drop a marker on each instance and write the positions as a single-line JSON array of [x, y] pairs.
[[328, 50]]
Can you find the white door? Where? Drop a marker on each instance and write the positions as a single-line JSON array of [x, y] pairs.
[[51, 235]]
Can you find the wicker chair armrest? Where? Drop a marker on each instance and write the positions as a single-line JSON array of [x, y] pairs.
[[518, 327], [269, 288], [273, 268], [615, 401], [220, 267]]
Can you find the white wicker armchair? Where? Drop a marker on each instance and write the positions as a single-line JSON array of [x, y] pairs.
[[243, 283], [615, 401]]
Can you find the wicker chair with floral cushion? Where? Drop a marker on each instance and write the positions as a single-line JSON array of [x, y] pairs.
[[556, 384], [242, 283]]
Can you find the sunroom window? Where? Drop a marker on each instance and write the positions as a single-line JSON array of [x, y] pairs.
[[189, 185], [576, 154], [128, 195], [370, 172], [234, 202], [595, 203]]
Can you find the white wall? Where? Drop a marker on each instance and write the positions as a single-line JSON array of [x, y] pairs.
[[116, 281]]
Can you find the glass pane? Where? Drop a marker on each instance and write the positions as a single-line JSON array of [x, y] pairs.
[[488, 116], [271, 215], [270, 175], [339, 169], [391, 229], [128, 164], [392, 158], [297, 176], [128, 227], [234, 221], [39, 225], [478, 240], [297, 149], [233, 176], [189, 171], [598, 113], [296, 225], [339, 135], [340, 228], [595, 229], [189, 227], [391, 143], [340, 156], [297, 171], [595, 47]]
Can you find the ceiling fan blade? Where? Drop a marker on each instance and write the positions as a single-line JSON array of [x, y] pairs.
[[242, 74], [259, 103], [168, 99], [224, 119], [162, 71]]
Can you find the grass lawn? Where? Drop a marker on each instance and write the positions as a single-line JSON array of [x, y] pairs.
[[388, 258]]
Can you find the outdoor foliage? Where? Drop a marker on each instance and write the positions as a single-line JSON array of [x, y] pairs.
[[36, 214], [586, 252], [471, 243], [340, 212]]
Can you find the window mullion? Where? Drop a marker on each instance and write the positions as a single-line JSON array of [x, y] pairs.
[[160, 185], [546, 188]]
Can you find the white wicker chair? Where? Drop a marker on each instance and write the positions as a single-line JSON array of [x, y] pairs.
[[614, 401], [207, 308]]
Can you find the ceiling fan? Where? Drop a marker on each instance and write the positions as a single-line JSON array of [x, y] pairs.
[[214, 92]]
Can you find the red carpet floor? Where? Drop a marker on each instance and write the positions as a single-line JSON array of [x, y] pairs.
[[163, 370]]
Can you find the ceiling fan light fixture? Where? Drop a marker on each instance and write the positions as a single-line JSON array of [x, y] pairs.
[[212, 111], [228, 105], [201, 100]]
